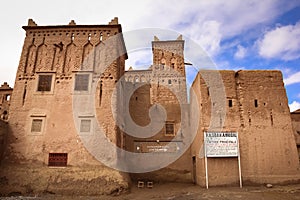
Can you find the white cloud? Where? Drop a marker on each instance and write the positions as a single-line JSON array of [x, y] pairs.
[[295, 105], [209, 38], [240, 53], [295, 78], [281, 43], [140, 59], [207, 22]]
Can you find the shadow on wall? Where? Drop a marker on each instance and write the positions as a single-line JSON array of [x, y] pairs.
[[4, 131]]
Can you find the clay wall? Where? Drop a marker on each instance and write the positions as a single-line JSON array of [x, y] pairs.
[[259, 113], [295, 116], [163, 84], [3, 137], [49, 89], [59, 51]]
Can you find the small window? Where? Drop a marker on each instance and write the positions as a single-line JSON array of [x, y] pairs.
[[82, 82], [44, 84], [36, 125], [173, 66], [230, 103], [58, 159], [256, 103], [7, 97], [170, 129], [85, 125], [169, 82]]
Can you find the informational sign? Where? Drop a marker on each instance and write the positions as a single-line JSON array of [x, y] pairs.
[[221, 144], [156, 147]]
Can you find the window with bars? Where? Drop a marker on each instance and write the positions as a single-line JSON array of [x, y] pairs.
[[36, 125], [170, 129], [82, 82], [85, 125], [58, 159], [44, 83]]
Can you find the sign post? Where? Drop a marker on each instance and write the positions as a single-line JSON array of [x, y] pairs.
[[206, 170], [239, 160], [221, 144]]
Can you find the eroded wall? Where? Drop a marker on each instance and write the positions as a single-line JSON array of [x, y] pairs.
[[3, 137], [295, 116]]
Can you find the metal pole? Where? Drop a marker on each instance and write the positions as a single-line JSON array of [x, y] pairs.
[[206, 171], [239, 161]]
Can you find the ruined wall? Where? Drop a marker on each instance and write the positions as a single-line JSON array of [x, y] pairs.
[[259, 113]]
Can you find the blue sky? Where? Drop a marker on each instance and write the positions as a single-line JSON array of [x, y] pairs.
[[236, 34]]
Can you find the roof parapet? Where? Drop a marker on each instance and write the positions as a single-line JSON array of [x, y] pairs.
[[114, 21], [31, 22]]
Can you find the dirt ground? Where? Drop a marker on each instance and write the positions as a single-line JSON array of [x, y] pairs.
[[175, 191]]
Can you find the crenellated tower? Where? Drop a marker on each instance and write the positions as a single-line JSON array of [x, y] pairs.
[[169, 71]]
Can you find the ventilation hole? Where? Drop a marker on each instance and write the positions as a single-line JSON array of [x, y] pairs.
[[230, 102], [256, 103]]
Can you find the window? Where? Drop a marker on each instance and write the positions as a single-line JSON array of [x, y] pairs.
[[256, 103], [85, 126], [58, 159], [169, 82], [36, 125], [173, 65], [170, 129], [7, 97], [44, 84], [230, 102], [82, 82]]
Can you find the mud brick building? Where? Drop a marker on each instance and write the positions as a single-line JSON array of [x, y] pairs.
[[71, 80], [255, 105]]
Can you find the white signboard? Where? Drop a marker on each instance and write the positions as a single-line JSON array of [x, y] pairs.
[[221, 144]]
